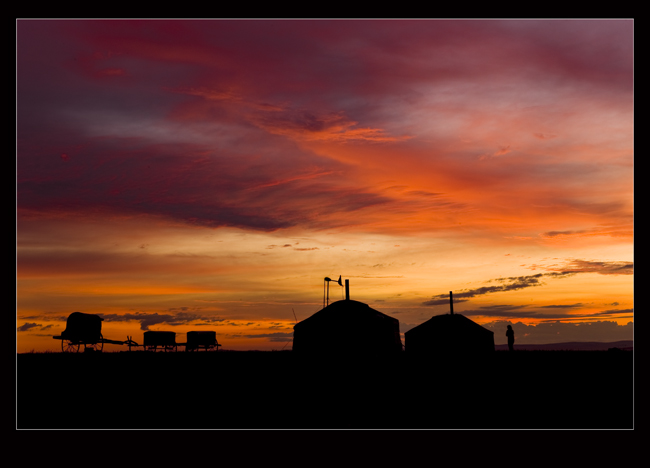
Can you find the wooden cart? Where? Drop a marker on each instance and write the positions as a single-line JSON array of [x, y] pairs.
[[83, 330], [197, 340], [160, 340]]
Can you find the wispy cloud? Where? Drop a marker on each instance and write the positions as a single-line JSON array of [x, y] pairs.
[[615, 231], [510, 284], [563, 306], [28, 326], [500, 152], [274, 337], [147, 320], [542, 313], [575, 266], [302, 124]]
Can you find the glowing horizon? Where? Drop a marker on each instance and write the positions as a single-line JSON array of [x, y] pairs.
[[208, 174]]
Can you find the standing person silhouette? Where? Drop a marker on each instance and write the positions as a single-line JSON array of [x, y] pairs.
[[510, 333]]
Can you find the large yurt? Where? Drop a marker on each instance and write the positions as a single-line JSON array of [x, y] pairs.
[[347, 326]]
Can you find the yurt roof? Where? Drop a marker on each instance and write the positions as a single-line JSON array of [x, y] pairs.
[[450, 321], [346, 311]]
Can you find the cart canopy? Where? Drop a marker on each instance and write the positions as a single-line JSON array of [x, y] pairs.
[[201, 338], [82, 327], [159, 338]]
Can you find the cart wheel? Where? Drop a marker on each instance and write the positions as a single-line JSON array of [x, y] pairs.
[[68, 346], [99, 346]]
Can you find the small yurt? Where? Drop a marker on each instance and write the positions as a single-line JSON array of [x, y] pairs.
[[347, 326], [449, 333]]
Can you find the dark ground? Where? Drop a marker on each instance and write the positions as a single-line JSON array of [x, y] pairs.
[[281, 390]]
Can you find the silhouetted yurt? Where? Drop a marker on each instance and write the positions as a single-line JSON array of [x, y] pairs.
[[449, 333], [347, 326]]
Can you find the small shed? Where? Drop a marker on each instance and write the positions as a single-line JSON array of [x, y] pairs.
[[449, 333], [347, 326]]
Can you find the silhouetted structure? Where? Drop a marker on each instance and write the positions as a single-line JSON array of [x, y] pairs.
[[327, 282], [81, 329], [165, 340], [449, 333], [347, 327], [201, 340]]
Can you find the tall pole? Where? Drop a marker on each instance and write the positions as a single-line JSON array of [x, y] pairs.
[[451, 302], [347, 289], [328, 293]]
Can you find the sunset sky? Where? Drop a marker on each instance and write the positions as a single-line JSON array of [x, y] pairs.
[[207, 175]]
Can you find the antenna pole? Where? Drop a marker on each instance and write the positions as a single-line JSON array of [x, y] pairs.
[[451, 302], [347, 289], [328, 293]]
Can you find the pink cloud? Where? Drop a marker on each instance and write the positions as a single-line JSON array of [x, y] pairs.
[[261, 123]]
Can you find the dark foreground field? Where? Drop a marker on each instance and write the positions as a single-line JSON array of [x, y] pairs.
[[280, 390]]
